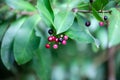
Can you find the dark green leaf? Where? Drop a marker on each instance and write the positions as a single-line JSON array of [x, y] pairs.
[[95, 13], [114, 27], [20, 5], [45, 12], [100, 4], [6, 48], [3, 28], [63, 21], [25, 40]]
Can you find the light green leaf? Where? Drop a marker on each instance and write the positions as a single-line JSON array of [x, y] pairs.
[[6, 48], [79, 35], [114, 27], [63, 21], [20, 5], [26, 41], [3, 28], [95, 13], [45, 13]]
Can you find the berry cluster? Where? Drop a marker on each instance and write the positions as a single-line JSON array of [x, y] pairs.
[[87, 23], [55, 40]]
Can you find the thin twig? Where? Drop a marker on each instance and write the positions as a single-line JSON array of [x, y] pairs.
[[89, 11]]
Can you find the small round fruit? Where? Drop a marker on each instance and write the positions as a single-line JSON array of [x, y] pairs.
[[60, 39], [55, 46], [50, 39], [87, 23], [64, 42], [105, 18], [47, 45], [53, 38], [56, 40], [50, 31], [91, 1], [61, 35], [75, 10], [101, 23], [65, 37]]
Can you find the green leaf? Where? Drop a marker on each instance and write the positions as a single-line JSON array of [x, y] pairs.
[[114, 27], [100, 4], [3, 28], [44, 58], [45, 11], [20, 5], [26, 41], [95, 13], [6, 48], [63, 21], [79, 35]]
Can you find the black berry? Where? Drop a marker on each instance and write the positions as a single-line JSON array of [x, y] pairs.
[[87, 23], [91, 1], [60, 39], [105, 18], [50, 31]]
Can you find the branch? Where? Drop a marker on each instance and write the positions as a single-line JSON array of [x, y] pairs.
[[89, 11]]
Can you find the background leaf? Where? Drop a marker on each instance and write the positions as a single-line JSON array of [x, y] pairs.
[[113, 29], [25, 41], [3, 28], [6, 48], [63, 21], [20, 5]]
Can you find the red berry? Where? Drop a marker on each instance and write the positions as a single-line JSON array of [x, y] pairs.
[[56, 40], [64, 42], [65, 37], [53, 38], [50, 38], [47, 45], [55, 46], [101, 23]]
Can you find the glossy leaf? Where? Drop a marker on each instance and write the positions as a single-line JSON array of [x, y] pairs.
[[44, 58], [79, 35], [63, 21], [3, 28], [6, 48], [26, 41], [95, 13], [113, 29], [100, 4], [20, 5], [45, 11]]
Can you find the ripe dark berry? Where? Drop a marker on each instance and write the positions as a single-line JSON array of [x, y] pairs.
[[91, 1], [50, 31], [50, 38], [87, 23], [55, 46], [101, 23], [105, 18], [60, 39], [47, 45], [64, 42]]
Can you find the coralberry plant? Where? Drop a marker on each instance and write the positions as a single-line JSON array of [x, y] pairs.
[[56, 40]]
